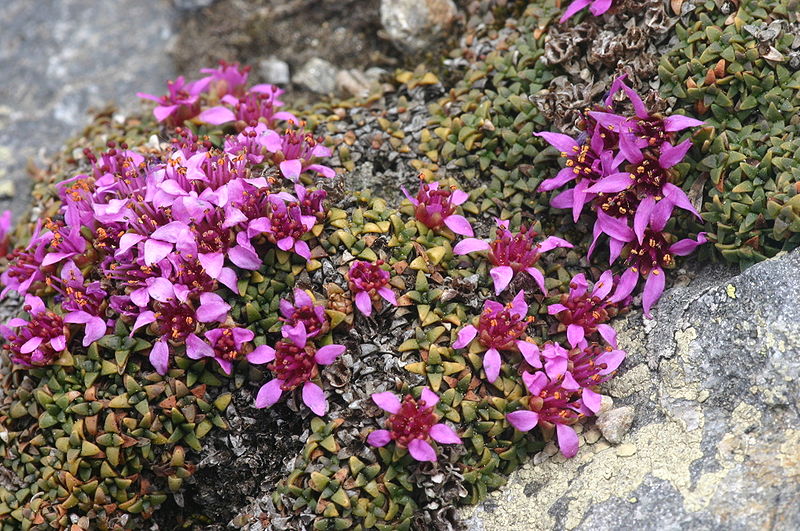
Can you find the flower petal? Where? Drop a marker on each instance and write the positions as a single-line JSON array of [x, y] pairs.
[[591, 400], [567, 440], [196, 348], [364, 303], [159, 356], [328, 354], [563, 143], [575, 334], [387, 401], [430, 398], [261, 354], [531, 353], [314, 398], [379, 438], [501, 275], [421, 450], [470, 245], [269, 393], [217, 115], [671, 155], [388, 295], [538, 276], [442, 433], [523, 420], [491, 364], [459, 225], [653, 288], [465, 336], [608, 333], [625, 285], [676, 122]]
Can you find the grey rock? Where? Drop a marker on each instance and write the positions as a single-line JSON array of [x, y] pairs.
[[414, 25], [189, 5], [61, 57], [317, 75], [353, 82], [714, 381], [614, 424], [274, 71]]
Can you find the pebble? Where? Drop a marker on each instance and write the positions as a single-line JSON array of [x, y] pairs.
[[550, 449], [414, 25], [274, 71], [606, 403], [317, 75], [7, 189], [626, 450], [540, 458], [592, 436], [615, 423], [353, 82]]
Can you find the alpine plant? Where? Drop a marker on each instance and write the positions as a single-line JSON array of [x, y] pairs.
[[622, 166]]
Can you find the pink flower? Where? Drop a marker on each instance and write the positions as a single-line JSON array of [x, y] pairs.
[[368, 281], [284, 225], [434, 207], [181, 103], [85, 304], [412, 424], [313, 316], [295, 362], [499, 328], [296, 152], [226, 345], [591, 365], [39, 341], [5, 230], [512, 253], [584, 312], [553, 403]]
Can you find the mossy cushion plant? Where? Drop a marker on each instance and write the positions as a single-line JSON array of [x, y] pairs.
[[170, 279]]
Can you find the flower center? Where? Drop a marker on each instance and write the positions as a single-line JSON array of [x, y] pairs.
[[412, 421], [499, 329], [652, 253], [518, 251]]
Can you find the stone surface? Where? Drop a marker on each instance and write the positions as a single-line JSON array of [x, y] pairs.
[[274, 71], [714, 381], [317, 75], [614, 424], [414, 25], [61, 57]]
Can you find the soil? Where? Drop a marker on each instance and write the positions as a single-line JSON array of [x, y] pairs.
[[343, 32]]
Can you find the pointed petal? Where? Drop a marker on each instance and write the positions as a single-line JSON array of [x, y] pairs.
[[465, 336], [364, 303], [470, 245], [444, 434], [625, 285], [676, 122], [616, 182], [387, 401], [388, 295], [653, 288], [430, 398], [687, 246], [501, 275], [575, 334], [159, 356], [491, 364], [314, 398], [608, 333], [269, 393], [567, 440], [328, 354], [538, 276], [523, 420], [421, 450], [671, 155], [531, 353], [459, 225], [642, 217], [561, 142], [379, 438]]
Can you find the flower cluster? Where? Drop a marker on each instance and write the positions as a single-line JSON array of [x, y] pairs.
[[622, 166], [411, 424], [295, 360], [155, 241]]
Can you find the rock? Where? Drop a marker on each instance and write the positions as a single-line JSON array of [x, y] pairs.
[[189, 5], [714, 380], [354, 82], [414, 25], [615, 423], [61, 57], [317, 75], [274, 71]]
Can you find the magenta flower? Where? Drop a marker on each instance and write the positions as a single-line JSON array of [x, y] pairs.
[[597, 8], [434, 207], [259, 103], [227, 78], [295, 362], [411, 424], [368, 281], [312, 316], [173, 322], [590, 366], [226, 345], [39, 341], [512, 253], [85, 304], [296, 152], [649, 259], [181, 103], [284, 225], [25, 266], [584, 312], [499, 328]]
